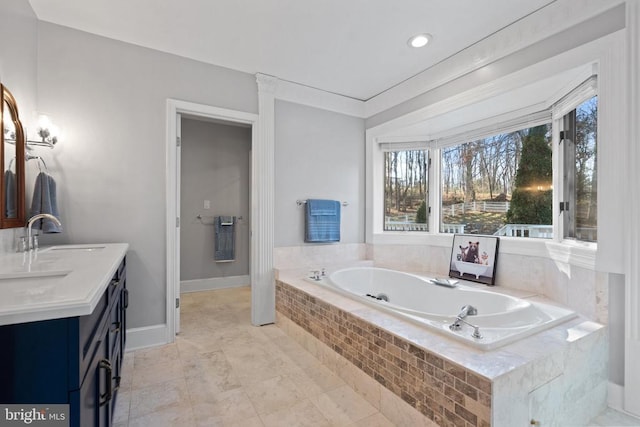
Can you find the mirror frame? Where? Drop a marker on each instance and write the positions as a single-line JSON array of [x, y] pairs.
[[19, 220]]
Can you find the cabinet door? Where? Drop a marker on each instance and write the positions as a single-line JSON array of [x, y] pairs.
[[94, 397]]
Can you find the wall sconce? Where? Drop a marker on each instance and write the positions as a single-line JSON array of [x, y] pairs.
[[47, 131], [9, 132]]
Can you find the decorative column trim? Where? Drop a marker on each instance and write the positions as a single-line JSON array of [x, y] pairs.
[[263, 291], [632, 276]]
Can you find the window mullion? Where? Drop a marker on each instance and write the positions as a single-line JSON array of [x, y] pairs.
[[435, 190], [558, 180]]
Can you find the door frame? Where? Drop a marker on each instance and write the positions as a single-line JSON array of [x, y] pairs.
[[176, 109]]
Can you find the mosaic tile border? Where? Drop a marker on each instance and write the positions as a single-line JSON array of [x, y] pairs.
[[442, 391]]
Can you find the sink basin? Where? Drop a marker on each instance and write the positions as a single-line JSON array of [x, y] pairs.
[[77, 248], [38, 275]]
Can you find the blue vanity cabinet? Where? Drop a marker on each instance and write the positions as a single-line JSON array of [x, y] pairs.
[[75, 360]]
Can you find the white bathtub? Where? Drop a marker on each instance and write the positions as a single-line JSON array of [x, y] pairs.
[[473, 268], [501, 318]]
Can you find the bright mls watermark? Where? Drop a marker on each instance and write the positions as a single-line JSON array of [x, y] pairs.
[[34, 415]]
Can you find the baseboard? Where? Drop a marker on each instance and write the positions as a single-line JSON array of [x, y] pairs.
[[616, 396], [210, 284], [147, 336]]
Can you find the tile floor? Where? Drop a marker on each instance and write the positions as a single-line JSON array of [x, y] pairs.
[[221, 371]]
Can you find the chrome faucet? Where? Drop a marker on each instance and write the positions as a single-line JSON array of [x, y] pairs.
[[466, 310], [30, 246]]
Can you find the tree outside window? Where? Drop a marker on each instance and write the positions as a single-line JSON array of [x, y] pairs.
[[500, 185], [406, 190]]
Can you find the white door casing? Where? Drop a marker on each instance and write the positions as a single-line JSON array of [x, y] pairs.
[[632, 276], [178, 152], [259, 195]]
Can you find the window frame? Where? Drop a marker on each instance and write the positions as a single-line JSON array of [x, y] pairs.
[[561, 109]]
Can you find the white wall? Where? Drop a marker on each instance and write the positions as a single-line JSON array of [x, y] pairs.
[[110, 98], [319, 155], [214, 167]]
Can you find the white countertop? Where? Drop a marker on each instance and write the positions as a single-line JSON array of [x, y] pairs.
[[57, 281]]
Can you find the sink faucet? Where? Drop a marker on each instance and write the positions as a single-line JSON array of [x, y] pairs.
[[29, 246]]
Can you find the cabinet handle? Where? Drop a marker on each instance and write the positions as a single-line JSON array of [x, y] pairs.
[[117, 327], [126, 298], [105, 364]]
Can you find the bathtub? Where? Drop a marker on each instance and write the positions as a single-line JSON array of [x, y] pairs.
[[473, 268], [500, 319]]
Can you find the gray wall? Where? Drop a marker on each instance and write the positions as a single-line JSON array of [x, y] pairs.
[[214, 167], [320, 155], [110, 98]]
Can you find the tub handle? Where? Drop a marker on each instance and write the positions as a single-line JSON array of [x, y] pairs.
[[476, 332]]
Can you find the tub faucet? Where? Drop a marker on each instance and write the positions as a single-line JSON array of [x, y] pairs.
[[466, 310], [29, 246]]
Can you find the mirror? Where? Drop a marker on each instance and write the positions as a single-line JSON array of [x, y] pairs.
[[12, 157]]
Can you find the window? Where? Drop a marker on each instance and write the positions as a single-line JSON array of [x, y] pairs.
[[531, 176], [406, 189], [579, 148], [500, 185]]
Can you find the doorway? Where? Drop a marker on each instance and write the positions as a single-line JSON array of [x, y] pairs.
[[175, 110], [214, 182]]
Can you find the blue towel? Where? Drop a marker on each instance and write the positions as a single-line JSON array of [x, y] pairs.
[[225, 238], [10, 194], [45, 201], [322, 221]]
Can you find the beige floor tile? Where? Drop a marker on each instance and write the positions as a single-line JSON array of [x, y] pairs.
[[170, 394], [189, 345], [222, 371], [315, 379], [375, 420], [232, 407], [274, 394], [155, 373], [123, 403], [204, 363], [273, 332], [301, 414], [155, 355], [343, 406], [206, 388], [249, 422], [175, 416]]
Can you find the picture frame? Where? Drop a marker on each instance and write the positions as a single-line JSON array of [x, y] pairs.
[[474, 257]]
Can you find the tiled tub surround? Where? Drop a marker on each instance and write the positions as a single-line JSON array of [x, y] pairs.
[[557, 377]]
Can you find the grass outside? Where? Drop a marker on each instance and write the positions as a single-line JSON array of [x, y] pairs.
[[477, 222]]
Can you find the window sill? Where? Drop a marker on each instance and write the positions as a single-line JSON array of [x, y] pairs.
[[579, 254]]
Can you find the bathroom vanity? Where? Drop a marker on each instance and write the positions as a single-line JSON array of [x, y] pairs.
[[63, 329]]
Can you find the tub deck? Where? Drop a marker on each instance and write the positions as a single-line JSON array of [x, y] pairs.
[[447, 381]]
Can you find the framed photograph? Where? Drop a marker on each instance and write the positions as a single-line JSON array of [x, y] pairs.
[[474, 257]]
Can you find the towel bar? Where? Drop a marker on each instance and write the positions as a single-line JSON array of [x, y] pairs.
[[304, 202]]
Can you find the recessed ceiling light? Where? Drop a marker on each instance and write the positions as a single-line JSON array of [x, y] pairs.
[[419, 40]]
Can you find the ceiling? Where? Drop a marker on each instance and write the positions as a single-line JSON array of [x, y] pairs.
[[355, 48]]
